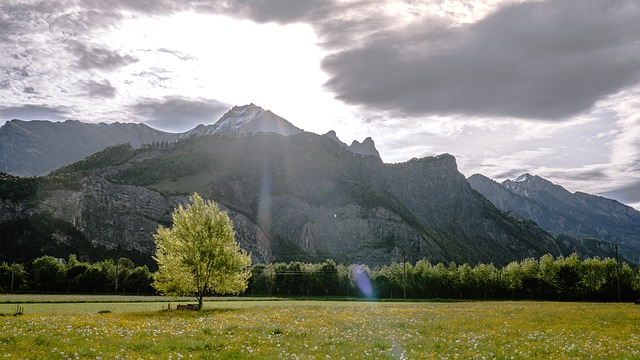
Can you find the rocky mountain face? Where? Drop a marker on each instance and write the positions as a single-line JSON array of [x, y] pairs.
[[559, 211], [299, 197], [366, 147], [32, 148]]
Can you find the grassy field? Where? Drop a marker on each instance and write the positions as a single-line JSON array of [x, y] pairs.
[[91, 304], [323, 330]]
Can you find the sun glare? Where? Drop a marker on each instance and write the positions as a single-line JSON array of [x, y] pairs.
[[230, 60]]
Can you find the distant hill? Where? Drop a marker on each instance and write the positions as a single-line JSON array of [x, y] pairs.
[[33, 148], [559, 211]]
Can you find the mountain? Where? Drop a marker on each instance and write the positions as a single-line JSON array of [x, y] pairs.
[[367, 147], [29, 148], [302, 197], [34, 148], [248, 119], [559, 211]]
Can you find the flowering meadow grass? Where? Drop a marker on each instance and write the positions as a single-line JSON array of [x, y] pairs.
[[329, 330]]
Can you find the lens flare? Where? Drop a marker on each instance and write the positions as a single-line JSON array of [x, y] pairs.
[[264, 205], [362, 280]]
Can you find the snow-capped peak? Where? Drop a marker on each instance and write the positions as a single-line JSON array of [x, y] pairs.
[[246, 119], [523, 178], [239, 115]]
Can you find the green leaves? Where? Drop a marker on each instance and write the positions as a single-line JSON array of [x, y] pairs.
[[199, 253]]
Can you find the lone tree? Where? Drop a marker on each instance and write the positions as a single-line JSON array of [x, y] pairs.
[[199, 253]]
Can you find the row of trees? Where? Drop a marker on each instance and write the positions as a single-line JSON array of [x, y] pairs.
[[562, 278], [549, 278], [47, 274]]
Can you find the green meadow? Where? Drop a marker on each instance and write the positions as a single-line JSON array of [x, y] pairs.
[[297, 329]]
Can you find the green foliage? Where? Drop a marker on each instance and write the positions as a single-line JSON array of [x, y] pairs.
[[47, 273], [18, 188], [12, 277], [548, 278], [262, 279], [199, 253], [62, 181], [50, 275], [111, 156], [170, 166], [138, 280], [70, 177]]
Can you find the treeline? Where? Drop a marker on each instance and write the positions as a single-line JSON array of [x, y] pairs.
[[47, 274], [548, 278]]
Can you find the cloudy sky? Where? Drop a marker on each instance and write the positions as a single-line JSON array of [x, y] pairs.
[[549, 87]]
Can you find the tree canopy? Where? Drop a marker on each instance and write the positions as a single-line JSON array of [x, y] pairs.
[[199, 253]]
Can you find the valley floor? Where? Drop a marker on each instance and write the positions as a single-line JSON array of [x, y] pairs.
[[291, 329]]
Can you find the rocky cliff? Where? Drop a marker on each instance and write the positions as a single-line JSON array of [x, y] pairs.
[[298, 197]]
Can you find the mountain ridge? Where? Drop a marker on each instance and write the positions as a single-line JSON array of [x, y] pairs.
[[302, 197], [35, 148], [29, 148], [293, 196], [559, 211]]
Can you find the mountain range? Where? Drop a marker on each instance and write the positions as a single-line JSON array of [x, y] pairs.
[[35, 148], [559, 211], [292, 195]]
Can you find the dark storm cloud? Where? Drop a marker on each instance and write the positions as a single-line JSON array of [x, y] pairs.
[[536, 60], [337, 24], [5, 27], [510, 174], [152, 7], [578, 175], [279, 11], [626, 194], [33, 112], [591, 175], [99, 89], [95, 57], [29, 90], [175, 113], [20, 18], [262, 11]]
